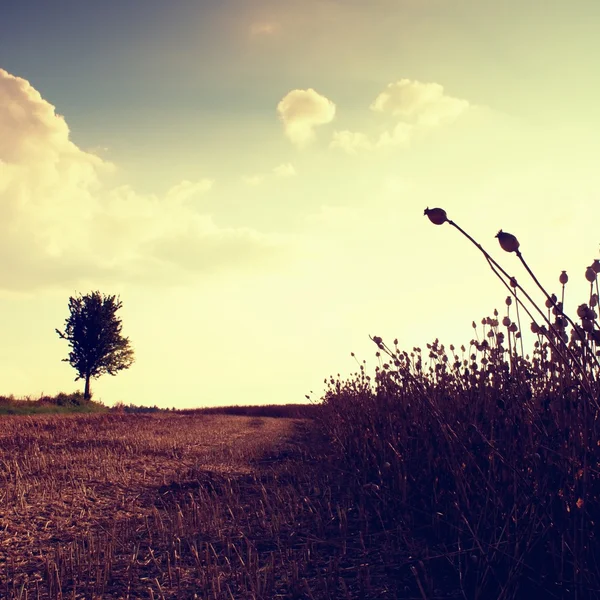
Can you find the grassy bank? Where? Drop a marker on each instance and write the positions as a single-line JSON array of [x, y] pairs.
[[46, 405]]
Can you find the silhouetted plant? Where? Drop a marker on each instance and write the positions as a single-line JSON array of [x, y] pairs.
[[93, 331], [483, 460]]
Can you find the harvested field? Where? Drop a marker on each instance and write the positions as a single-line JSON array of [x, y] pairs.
[[130, 506]]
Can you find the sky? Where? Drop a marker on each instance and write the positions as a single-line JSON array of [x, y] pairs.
[[249, 177]]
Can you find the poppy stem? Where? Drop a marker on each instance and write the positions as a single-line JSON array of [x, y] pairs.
[[580, 334], [555, 333]]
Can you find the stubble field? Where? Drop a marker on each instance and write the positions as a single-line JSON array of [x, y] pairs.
[[146, 506]]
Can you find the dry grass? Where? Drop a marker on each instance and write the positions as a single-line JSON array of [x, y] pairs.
[[486, 478], [83, 500], [482, 464], [183, 506]]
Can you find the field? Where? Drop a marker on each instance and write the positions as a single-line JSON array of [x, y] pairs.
[[135, 506], [432, 480]]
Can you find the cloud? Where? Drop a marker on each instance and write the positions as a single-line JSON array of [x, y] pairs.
[[301, 111], [413, 106], [424, 103], [201, 245], [32, 132], [354, 142], [351, 142], [189, 189], [62, 223], [285, 170]]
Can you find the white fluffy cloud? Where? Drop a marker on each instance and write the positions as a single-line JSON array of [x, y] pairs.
[[32, 132], [301, 111], [424, 103], [351, 142], [413, 106], [354, 142], [186, 190], [61, 223], [283, 170]]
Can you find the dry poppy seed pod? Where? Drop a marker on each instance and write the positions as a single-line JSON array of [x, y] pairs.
[[535, 328], [506, 321], [594, 300], [596, 266], [508, 241], [563, 277], [587, 325], [436, 215], [590, 274], [508, 300], [582, 311], [513, 282]]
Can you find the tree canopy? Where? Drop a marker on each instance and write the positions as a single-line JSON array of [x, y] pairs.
[[93, 331]]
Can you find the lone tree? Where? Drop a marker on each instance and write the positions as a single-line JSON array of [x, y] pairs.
[[93, 331]]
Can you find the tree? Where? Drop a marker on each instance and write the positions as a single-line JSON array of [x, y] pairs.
[[93, 331]]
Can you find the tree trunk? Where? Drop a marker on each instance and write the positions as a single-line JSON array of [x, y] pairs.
[[86, 394]]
